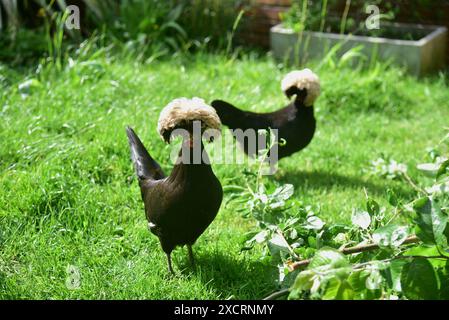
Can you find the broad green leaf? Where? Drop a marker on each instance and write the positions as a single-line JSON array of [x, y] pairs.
[[393, 274], [315, 223], [327, 256], [340, 238], [279, 241], [430, 169], [277, 204], [374, 280], [289, 277], [357, 280], [391, 235], [293, 234], [418, 280], [303, 282], [338, 290], [284, 192], [431, 222], [276, 245], [399, 236], [260, 237], [443, 276], [330, 259], [422, 250], [362, 219], [312, 241]]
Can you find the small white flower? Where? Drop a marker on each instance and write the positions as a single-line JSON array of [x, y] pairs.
[[396, 168]]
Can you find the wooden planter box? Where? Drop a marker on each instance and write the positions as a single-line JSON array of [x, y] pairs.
[[419, 57]]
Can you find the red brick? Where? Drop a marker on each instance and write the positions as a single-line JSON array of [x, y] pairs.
[[284, 3]]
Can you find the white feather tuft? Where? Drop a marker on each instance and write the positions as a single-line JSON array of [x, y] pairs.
[[303, 79], [182, 110]]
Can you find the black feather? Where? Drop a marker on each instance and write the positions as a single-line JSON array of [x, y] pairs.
[[181, 206], [295, 123], [146, 167]]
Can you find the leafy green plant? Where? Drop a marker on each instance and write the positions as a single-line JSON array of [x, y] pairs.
[[398, 251], [418, 271]]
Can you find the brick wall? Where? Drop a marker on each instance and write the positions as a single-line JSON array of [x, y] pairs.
[[262, 15]]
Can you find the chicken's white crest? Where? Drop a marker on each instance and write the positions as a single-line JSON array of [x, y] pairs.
[[303, 79], [183, 110]]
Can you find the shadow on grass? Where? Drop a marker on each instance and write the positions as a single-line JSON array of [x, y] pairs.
[[232, 278], [322, 180]]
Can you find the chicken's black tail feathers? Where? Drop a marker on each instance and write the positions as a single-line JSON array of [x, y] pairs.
[[227, 112], [146, 167]]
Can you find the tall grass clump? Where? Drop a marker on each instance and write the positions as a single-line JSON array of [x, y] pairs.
[[150, 27], [142, 29], [211, 21]]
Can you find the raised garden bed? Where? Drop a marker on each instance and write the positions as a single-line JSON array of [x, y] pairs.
[[420, 49]]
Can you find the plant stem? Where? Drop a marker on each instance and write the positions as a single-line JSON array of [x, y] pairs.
[[351, 250], [289, 247], [344, 18], [234, 28], [360, 266], [277, 294], [414, 185], [284, 292], [323, 15]]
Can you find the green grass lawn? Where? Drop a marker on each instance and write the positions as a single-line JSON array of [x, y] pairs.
[[68, 195]]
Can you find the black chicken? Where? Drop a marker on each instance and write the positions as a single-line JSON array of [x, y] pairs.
[[181, 206], [295, 123]]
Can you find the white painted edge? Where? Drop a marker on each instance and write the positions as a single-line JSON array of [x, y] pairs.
[[437, 31]]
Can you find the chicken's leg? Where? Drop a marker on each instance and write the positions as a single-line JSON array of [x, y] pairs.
[[170, 269], [192, 260]]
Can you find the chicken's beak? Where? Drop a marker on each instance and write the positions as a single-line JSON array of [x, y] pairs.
[[166, 135]]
